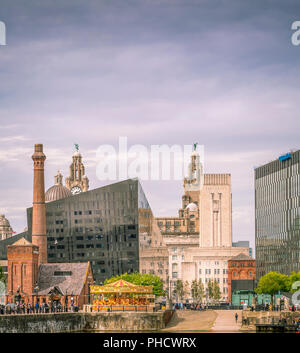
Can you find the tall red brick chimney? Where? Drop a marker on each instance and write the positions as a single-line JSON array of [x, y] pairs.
[[39, 236]]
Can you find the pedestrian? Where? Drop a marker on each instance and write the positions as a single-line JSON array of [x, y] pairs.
[[236, 317]]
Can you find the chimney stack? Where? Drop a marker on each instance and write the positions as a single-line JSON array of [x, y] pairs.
[[39, 236]]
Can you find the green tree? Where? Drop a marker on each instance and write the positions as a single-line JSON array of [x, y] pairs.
[[145, 279], [272, 282], [179, 289], [186, 289], [293, 277], [216, 291], [210, 287], [197, 290], [2, 275]]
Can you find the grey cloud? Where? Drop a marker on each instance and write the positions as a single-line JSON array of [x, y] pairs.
[[223, 73]]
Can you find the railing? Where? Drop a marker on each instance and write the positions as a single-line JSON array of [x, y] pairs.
[[110, 308], [33, 311]]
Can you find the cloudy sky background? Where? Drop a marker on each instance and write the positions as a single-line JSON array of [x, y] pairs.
[[221, 73]]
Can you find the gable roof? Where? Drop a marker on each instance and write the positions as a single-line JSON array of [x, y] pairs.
[[241, 257], [121, 286], [22, 242], [68, 283]]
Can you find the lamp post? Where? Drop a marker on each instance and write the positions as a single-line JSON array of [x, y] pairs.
[[36, 290], [66, 301]]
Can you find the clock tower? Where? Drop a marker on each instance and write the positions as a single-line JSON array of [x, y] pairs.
[[77, 181]]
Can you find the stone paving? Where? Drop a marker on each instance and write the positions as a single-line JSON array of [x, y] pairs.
[[205, 321], [191, 321], [225, 321]]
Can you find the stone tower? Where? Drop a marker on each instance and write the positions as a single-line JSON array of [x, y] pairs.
[[39, 237], [77, 181]]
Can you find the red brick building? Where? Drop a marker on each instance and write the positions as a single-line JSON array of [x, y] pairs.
[[241, 273], [45, 283], [22, 258], [30, 278]]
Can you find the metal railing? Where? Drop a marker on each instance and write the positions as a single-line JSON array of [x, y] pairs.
[[110, 308]]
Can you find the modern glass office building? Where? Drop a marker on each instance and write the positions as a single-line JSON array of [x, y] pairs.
[[277, 215], [102, 226]]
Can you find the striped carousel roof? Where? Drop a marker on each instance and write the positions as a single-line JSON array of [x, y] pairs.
[[120, 286]]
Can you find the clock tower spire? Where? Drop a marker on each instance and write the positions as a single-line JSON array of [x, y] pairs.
[[77, 181]]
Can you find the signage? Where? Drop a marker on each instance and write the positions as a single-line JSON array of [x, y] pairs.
[[285, 157]]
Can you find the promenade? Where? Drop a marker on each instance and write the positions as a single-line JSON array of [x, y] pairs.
[[225, 321], [204, 321]]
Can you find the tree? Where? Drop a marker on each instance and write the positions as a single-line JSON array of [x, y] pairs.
[[216, 291], [197, 290], [294, 277], [272, 282], [186, 289], [210, 287], [145, 279], [179, 289], [2, 275]]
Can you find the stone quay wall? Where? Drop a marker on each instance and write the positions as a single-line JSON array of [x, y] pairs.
[[84, 322], [250, 318]]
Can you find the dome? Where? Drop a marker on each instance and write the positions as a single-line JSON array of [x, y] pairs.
[[57, 191], [4, 221], [192, 207]]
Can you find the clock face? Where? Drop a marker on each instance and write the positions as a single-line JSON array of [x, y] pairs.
[[76, 190]]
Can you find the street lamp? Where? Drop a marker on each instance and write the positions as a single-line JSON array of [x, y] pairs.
[[66, 301], [36, 290]]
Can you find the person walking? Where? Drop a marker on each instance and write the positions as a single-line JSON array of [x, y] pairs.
[[236, 317]]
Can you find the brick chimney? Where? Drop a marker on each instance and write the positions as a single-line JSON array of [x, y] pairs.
[[39, 237]]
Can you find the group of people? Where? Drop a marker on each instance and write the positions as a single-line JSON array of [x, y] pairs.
[[22, 308], [193, 306]]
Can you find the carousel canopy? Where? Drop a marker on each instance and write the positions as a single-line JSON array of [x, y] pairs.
[[121, 286]]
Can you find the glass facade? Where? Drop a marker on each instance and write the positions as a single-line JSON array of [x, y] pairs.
[[277, 215], [101, 226]]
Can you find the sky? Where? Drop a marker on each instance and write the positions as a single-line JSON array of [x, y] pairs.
[[221, 73]]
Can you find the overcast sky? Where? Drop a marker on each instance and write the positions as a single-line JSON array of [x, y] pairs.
[[221, 73]]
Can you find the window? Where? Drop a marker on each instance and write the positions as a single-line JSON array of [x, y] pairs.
[[62, 273], [174, 257], [174, 249]]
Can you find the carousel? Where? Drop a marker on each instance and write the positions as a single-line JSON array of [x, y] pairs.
[[122, 296]]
